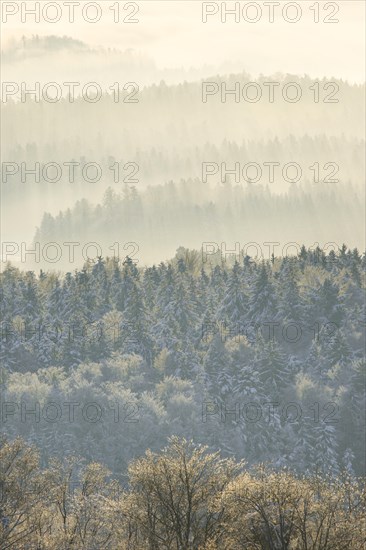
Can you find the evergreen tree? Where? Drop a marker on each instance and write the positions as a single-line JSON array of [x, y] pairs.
[[233, 307], [272, 367], [262, 298], [217, 367], [135, 326]]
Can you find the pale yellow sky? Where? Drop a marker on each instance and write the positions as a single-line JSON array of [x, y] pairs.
[[172, 33]]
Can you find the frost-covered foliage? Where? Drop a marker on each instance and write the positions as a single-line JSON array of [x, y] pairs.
[[181, 498], [263, 361]]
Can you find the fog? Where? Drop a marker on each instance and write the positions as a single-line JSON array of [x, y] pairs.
[[184, 113]]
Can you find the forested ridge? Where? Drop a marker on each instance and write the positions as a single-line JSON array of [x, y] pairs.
[[148, 183], [194, 214], [172, 115], [263, 360]]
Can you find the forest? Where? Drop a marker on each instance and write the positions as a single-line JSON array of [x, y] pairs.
[[261, 360], [183, 497], [148, 184], [316, 214], [182, 283]]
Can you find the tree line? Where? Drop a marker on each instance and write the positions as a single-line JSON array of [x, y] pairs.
[[183, 497]]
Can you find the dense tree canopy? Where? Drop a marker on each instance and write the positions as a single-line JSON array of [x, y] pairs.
[[262, 360]]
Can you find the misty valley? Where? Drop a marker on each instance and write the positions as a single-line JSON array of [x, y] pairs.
[[182, 282]]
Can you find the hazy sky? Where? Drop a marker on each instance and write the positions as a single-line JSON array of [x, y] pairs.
[[172, 33]]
